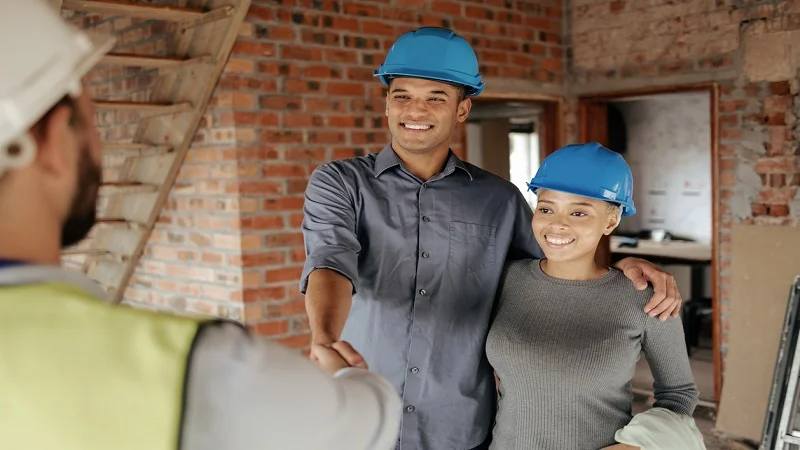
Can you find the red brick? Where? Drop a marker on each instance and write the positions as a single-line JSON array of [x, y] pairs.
[[778, 164], [346, 121], [291, 308], [321, 72], [295, 220], [302, 120], [376, 27], [253, 48], [758, 209], [361, 9], [324, 104], [305, 154], [301, 86], [339, 22], [260, 187], [250, 118], [283, 239], [275, 327], [283, 204], [729, 121], [263, 259], [278, 32], [325, 137], [446, 7], [777, 180], [477, 12], [283, 275], [778, 210], [346, 56], [730, 134], [263, 223], [780, 88], [320, 37], [278, 68], [299, 341], [264, 294], [296, 186], [261, 12], [297, 255], [732, 105], [344, 88], [727, 164], [280, 102], [292, 52]]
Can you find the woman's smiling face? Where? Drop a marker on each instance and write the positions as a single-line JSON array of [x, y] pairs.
[[568, 227]]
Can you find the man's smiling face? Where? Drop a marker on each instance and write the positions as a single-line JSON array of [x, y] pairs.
[[423, 114]]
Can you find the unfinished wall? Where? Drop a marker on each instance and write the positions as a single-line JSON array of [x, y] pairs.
[[299, 91], [669, 152], [751, 48]]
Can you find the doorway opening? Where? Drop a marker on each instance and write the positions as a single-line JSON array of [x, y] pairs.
[[668, 137], [509, 138]]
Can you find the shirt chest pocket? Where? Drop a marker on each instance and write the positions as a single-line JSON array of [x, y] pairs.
[[472, 246]]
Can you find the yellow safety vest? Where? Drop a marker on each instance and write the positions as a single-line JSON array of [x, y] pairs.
[[77, 373]]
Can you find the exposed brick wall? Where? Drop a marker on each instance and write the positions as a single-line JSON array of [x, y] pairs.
[[750, 48], [302, 72], [192, 262]]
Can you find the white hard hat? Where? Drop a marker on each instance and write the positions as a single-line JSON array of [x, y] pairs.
[[43, 59]]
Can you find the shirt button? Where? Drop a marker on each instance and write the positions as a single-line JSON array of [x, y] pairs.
[[425, 254], [426, 219], [410, 408], [415, 370], [423, 292], [424, 185]]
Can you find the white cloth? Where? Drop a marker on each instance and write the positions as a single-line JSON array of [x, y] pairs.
[[661, 429], [247, 393]]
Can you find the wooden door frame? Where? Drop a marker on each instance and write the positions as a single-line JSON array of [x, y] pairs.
[[713, 90]]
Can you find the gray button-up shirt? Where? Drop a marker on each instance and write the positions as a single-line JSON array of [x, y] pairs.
[[425, 259]]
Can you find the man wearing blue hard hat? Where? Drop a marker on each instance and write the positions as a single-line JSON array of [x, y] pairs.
[[405, 249]]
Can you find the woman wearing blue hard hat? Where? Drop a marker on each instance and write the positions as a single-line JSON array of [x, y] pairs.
[[405, 249], [568, 332]]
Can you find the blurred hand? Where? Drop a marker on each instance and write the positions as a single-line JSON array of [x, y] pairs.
[[336, 356]]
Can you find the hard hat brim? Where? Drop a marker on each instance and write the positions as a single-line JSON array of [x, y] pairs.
[[627, 208], [473, 88]]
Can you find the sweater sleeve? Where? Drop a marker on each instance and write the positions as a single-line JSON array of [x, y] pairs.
[[244, 392], [665, 350]]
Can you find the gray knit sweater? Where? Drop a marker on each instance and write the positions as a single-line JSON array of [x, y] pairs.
[[565, 352]]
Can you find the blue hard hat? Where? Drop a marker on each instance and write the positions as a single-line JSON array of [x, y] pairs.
[[433, 53], [589, 170]]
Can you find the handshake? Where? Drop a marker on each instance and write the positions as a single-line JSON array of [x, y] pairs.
[[336, 356]]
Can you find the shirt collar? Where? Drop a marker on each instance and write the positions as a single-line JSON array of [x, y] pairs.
[[387, 159]]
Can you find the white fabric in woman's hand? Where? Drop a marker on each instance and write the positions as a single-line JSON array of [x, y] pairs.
[[661, 429]]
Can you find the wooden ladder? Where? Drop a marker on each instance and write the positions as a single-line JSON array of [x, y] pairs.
[[205, 32]]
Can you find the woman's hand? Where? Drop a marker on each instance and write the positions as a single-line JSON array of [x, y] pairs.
[[621, 447]]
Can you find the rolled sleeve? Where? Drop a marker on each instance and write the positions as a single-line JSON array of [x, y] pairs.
[[329, 227]]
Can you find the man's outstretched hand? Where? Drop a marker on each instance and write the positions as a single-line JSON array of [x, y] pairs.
[[666, 300], [336, 356]]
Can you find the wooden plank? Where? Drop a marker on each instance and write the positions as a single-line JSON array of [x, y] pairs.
[[143, 107], [195, 84], [85, 251], [764, 264], [211, 16], [136, 148], [153, 62], [140, 10]]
